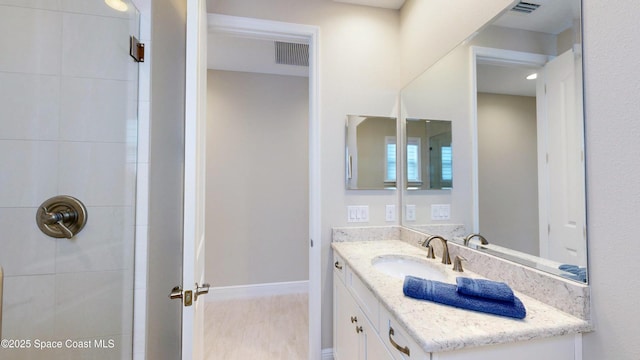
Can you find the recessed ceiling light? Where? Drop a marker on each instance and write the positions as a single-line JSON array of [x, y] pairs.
[[117, 5], [532, 76]]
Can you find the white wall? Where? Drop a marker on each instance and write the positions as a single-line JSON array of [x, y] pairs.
[[508, 171], [612, 82], [166, 159], [257, 178], [430, 29], [68, 119], [360, 75], [443, 93]]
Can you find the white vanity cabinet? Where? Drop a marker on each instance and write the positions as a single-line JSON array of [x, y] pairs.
[[354, 335], [363, 329]]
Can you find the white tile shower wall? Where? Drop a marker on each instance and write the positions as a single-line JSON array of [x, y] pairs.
[[33, 98], [65, 74], [34, 39], [32, 252]]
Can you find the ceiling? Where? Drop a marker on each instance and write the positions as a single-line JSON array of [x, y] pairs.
[[497, 79], [387, 4], [552, 17]]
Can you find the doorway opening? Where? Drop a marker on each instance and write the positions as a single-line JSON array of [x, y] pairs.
[[262, 189]]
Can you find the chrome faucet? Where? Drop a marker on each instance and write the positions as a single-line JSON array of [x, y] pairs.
[[445, 249], [468, 238]]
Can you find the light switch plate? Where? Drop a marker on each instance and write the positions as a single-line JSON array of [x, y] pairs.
[[410, 213], [358, 213], [440, 212]]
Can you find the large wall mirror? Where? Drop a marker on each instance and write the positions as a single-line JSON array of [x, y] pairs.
[[370, 150], [514, 95]]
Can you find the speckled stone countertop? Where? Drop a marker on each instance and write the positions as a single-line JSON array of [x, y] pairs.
[[436, 327]]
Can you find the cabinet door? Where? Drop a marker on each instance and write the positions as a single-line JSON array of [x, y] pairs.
[[347, 344], [374, 347]]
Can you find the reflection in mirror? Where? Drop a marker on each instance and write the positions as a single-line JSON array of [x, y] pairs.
[[428, 154], [521, 182], [370, 152]]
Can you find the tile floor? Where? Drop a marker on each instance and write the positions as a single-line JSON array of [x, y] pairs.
[[270, 328]]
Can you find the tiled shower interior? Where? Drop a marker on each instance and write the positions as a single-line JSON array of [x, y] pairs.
[[68, 125]]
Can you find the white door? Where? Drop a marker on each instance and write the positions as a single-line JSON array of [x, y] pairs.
[[563, 185], [194, 181]]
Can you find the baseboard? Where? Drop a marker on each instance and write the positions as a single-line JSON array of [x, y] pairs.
[[257, 290], [327, 354]]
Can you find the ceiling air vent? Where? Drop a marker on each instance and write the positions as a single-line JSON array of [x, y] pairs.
[[525, 7], [292, 53]]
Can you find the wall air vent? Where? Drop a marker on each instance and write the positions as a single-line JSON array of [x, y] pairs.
[[292, 53], [525, 7]]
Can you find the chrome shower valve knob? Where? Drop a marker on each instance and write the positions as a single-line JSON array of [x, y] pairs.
[[61, 216]]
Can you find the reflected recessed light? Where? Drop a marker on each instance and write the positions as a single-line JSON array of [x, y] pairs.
[[532, 76], [117, 5]]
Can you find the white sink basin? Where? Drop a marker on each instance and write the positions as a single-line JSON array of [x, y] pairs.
[[401, 266]]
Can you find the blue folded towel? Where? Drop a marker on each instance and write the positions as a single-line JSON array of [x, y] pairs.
[[485, 289], [447, 294], [577, 272]]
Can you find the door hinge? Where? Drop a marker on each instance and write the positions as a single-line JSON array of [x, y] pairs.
[[311, 241], [136, 49]]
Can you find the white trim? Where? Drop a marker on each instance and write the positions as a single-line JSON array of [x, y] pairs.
[[503, 57], [327, 354], [578, 346], [474, 140], [257, 28], [257, 290]]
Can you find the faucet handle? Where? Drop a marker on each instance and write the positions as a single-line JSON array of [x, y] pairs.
[[457, 263]]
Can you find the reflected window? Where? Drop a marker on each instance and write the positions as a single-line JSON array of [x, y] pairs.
[[390, 159], [413, 160], [447, 166]]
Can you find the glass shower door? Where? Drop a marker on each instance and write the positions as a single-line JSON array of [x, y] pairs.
[[68, 126]]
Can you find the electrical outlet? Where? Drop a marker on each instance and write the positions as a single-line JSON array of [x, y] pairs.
[[410, 213], [390, 212]]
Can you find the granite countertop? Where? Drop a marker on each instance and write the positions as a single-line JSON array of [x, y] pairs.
[[436, 327]]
